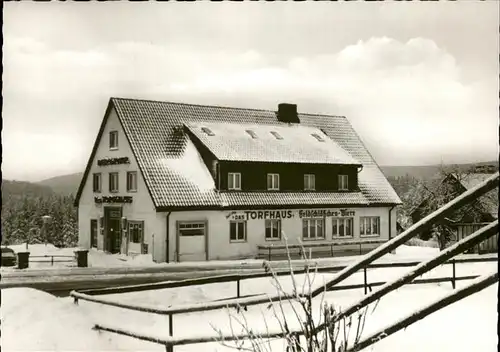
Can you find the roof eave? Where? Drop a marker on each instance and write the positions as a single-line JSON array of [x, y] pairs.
[[92, 154], [270, 207]]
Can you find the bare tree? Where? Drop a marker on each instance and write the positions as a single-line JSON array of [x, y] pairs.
[[334, 337], [441, 190]]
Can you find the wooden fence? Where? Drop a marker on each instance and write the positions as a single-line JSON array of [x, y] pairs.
[[239, 278], [244, 301], [346, 247], [488, 246], [424, 267]]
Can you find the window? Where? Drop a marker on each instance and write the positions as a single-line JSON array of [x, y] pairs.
[[113, 140], [208, 131], [276, 135], [309, 182], [318, 137], [96, 182], [93, 233], [369, 226], [237, 231], [132, 181], [273, 229], [313, 229], [343, 183], [192, 229], [251, 133], [136, 231], [234, 181], [342, 227], [113, 182], [273, 182]]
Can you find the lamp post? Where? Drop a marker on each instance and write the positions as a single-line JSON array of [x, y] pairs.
[[46, 219], [124, 234]]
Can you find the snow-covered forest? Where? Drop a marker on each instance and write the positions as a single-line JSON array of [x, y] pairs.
[[24, 204]]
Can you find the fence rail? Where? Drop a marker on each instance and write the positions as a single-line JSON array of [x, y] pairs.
[[424, 224], [169, 342], [238, 278], [420, 269], [262, 298], [52, 261], [328, 245], [476, 286]]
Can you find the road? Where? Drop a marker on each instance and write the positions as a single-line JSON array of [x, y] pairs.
[[63, 280]]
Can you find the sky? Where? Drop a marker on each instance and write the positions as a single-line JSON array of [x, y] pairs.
[[418, 81]]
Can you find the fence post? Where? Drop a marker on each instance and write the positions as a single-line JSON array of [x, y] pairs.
[[453, 279], [238, 287], [331, 247], [170, 330], [360, 248], [365, 280], [269, 255], [52, 260]]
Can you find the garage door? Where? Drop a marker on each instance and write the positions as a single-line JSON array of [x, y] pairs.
[[192, 238]]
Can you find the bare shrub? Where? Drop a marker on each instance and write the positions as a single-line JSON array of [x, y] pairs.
[[301, 327], [417, 242]]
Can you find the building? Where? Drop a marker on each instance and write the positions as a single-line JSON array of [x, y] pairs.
[[469, 218], [190, 182]]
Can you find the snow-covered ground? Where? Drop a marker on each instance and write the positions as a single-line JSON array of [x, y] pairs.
[[36, 321], [99, 259], [96, 258]]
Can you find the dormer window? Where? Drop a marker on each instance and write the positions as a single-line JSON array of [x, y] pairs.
[[234, 181], [208, 131], [309, 182], [113, 140], [276, 135], [273, 182], [343, 183], [318, 137], [251, 133]]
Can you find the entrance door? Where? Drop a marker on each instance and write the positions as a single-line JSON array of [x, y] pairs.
[[192, 241], [113, 234]]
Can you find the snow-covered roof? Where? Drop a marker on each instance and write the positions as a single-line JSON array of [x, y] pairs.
[[154, 130], [292, 143]]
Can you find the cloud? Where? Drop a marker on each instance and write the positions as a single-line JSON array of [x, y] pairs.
[[407, 95], [407, 99]]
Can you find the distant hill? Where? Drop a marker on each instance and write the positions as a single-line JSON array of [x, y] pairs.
[[426, 171], [24, 189], [65, 185]]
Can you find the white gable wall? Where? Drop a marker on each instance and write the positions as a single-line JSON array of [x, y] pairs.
[[141, 208]]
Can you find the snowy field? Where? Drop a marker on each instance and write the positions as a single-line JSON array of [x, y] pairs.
[[36, 321]]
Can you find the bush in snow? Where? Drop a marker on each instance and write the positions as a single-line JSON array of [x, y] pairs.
[[417, 242], [304, 326]]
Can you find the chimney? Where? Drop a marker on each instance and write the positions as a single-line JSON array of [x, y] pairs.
[[288, 113]]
